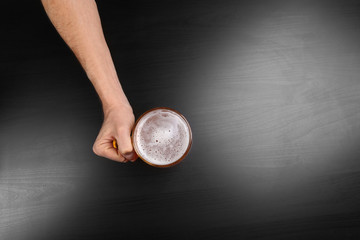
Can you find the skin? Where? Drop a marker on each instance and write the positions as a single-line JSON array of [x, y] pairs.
[[78, 23]]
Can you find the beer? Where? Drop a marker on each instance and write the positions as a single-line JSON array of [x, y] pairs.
[[162, 137]]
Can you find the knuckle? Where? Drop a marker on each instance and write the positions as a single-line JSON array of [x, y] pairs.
[[97, 150], [122, 130], [126, 150]]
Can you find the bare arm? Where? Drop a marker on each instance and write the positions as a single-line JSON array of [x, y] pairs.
[[78, 23]]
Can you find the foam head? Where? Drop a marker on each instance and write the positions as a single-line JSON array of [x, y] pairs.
[[162, 137]]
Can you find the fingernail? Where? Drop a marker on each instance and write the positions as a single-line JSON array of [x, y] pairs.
[[128, 155]]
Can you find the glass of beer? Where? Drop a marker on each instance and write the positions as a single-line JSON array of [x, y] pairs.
[[162, 137]]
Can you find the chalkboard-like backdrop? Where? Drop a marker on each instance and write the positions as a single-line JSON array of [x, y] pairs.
[[270, 88]]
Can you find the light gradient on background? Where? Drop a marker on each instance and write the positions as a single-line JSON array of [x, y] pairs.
[[270, 88], [278, 102]]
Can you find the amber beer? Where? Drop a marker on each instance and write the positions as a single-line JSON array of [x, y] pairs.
[[162, 137]]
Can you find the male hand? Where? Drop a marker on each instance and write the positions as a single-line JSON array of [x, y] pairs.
[[117, 125]]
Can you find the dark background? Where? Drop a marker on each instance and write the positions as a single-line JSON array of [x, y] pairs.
[[270, 88]]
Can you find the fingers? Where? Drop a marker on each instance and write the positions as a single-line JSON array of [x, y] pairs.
[[120, 150], [104, 148]]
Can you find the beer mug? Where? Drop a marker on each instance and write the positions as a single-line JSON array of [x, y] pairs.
[[162, 137]]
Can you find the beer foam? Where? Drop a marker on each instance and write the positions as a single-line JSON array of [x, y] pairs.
[[162, 136]]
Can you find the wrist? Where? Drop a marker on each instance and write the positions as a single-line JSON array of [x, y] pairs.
[[116, 105], [113, 102], [111, 94]]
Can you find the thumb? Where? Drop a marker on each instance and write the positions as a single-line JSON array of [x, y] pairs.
[[125, 147]]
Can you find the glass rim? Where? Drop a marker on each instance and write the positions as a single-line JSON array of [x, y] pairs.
[[136, 147]]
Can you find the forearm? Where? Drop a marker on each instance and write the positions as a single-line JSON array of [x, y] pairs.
[[78, 23]]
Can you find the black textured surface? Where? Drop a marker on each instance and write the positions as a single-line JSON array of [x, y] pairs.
[[270, 88]]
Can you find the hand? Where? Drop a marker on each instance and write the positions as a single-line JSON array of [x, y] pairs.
[[117, 125]]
